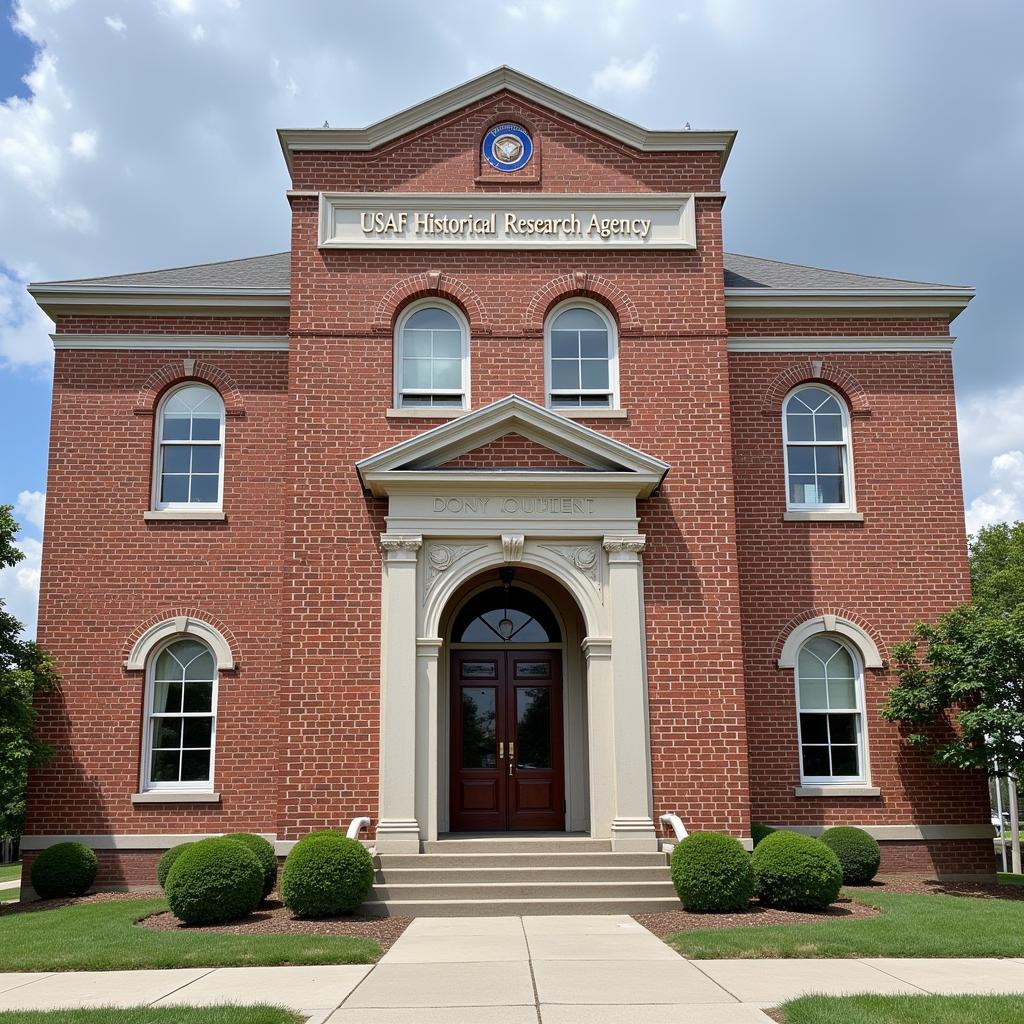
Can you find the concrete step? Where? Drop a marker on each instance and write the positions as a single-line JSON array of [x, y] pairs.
[[443, 875], [519, 908], [387, 861], [525, 844], [494, 892]]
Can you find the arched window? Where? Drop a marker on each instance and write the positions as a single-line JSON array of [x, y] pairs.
[[189, 463], [582, 357], [819, 460], [431, 357], [830, 703], [181, 713], [499, 615]]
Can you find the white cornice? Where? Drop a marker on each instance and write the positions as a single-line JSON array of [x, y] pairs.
[[195, 342], [62, 299], [377, 134], [854, 300], [830, 344]]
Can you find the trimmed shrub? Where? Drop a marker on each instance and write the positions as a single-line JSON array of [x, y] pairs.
[[326, 873], [858, 853], [759, 831], [214, 880], [164, 865], [712, 873], [796, 872], [66, 869], [264, 854]]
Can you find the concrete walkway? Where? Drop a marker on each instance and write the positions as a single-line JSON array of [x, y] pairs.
[[13, 884], [511, 970]]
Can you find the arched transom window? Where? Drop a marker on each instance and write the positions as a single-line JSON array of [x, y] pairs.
[[499, 615], [582, 363], [819, 463], [431, 358], [830, 700], [181, 710], [189, 463]]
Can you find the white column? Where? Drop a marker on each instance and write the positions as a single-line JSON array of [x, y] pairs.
[[632, 825], [398, 830], [428, 651], [600, 735]]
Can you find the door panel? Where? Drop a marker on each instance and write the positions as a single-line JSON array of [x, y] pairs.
[[507, 763]]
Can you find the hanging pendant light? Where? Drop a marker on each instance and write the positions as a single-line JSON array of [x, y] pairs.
[[506, 627]]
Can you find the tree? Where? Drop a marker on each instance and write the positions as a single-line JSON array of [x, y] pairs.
[[25, 670], [997, 567]]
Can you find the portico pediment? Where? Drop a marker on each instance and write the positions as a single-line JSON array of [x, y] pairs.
[[592, 461]]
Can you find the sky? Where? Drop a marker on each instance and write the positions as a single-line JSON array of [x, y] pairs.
[[879, 137]]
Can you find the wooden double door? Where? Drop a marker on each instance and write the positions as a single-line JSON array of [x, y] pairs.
[[507, 759]]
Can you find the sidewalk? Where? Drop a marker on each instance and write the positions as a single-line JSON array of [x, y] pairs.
[[509, 970]]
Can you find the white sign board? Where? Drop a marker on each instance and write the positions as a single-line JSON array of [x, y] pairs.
[[507, 220]]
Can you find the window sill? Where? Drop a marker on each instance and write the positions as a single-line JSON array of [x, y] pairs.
[[823, 517], [171, 796], [170, 515], [837, 791], [592, 414], [425, 414]]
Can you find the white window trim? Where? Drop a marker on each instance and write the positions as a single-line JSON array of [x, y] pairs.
[[156, 504], [613, 356], [145, 785], [396, 374], [839, 781], [850, 505]]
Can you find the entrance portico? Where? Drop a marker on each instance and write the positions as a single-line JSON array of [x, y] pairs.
[[576, 526]]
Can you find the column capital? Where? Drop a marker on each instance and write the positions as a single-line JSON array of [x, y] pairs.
[[597, 647], [629, 544], [399, 547], [429, 647]]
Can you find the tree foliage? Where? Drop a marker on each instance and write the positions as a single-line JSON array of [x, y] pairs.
[[960, 691], [25, 670]]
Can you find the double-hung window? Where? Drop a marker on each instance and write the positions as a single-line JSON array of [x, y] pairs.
[[431, 358], [819, 462], [189, 463], [582, 358]]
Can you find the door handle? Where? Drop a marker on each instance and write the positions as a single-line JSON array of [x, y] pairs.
[[511, 758], [501, 750]]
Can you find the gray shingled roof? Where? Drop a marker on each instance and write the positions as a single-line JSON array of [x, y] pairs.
[[274, 272]]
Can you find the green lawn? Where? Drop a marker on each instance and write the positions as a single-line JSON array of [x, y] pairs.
[[6, 895], [910, 925], [155, 1015], [1009, 878], [10, 872], [103, 937], [903, 1010]]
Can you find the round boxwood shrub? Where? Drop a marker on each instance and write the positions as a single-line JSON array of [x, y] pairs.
[[858, 853], [759, 831], [326, 873], [264, 854], [66, 869], [163, 866], [796, 872], [214, 880], [712, 873]]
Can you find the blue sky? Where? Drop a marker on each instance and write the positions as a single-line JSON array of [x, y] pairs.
[[875, 137]]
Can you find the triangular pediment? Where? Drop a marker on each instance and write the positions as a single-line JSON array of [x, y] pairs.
[[513, 451], [445, 451]]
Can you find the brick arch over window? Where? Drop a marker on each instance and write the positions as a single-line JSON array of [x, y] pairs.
[[189, 369], [830, 620], [182, 621], [589, 285], [421, 286], [807, 373]]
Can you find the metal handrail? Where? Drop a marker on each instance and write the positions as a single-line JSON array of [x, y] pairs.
[[674, 822]]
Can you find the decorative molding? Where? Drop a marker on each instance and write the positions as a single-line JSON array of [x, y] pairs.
[[634, 544], [171, 373], [853, 301], [161, 515], [512, 546], [186, 624], [427, 413], [818, 370], [809, 624], [424, 285], [171, 796], [582, 557], [825, 344], [581, 283], [824, 516], [391, 542], [830, 791], [441, 557], [170, 342]]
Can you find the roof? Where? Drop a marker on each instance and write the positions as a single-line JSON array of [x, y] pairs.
[[755, 272], [503, 79]]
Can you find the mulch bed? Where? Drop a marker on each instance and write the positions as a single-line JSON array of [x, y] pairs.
[[274, 918], [74, 901]]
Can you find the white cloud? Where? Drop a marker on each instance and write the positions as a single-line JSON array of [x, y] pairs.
[[31, 507], [991, 422], [24, 327], [516, 13], [623, 76], [83, 145], [19, 584], [116, 24], [1003, 502]]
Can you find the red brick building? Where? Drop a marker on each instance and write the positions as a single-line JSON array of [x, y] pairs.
[[504, 501]]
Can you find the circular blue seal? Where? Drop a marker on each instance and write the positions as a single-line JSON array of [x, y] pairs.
[[507, 147]]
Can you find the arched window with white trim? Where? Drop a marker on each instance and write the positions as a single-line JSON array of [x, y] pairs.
[[581, 357], [819, 456], [189, 464], [432, 357], [181, 716], [830, 706]]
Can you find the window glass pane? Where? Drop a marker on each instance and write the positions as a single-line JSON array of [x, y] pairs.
[[416, 344], [565, 344], [842, 728], [831, 490], [565, 373], [165, 766], [842, 693], [536, 669], [200, 667], [810, 665], [197, 732], [830, 406], [816, 761], [448, 344], [825, 648], [166, 697], [595, 373], [433, 318], [813, 398], [204, 489], [195, 766], [828, 459], [166, 732], [199, 696], [533, 726], [594, 344], [844, 761], [803, 490], [566, 401], [479, 670], [167, 665], [451, 401], [447, 373], [478, 727], [175, 428], [814, 728], [481, 618], [578, 319], [173, 488], [599, 401], [532, 633], [416, 373], [801, 459], [176, 458], [799, 427], [206, 458], [828, 428], [205, 428]]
